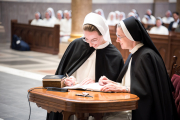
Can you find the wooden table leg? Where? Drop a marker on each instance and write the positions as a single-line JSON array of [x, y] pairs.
[[66, 115]]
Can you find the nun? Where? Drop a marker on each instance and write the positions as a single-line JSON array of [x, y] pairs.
[[65, 29], [37, 21], [117, 16], [151, 19], [144, 74], [168, 19], [59, 17], [159, 29], [111, 20], [52, 14], [136, 14], [100, 12], [88, 58], [122, 16], [47, 21]]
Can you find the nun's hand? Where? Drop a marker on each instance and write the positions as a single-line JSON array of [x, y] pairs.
[[111, 87], [70, 81], [104, 80], [87, 81]]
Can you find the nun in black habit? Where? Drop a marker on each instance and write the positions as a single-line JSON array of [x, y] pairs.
[[90, 57], [144, 74]]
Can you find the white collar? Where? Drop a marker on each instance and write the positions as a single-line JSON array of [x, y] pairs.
[[136, 48], [103, 45], [177, 21]]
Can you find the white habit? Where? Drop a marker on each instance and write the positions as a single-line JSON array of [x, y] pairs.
[[159, 30], [150, 21], [167, 20], [65, 29]]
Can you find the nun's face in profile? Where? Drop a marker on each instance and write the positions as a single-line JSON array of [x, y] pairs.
[[123, 40], [93, 38], [37, 16], [99, 12]]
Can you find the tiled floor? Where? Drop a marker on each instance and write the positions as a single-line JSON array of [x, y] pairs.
[[20, 71]]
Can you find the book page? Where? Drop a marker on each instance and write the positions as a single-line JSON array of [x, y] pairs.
[[91, 87]]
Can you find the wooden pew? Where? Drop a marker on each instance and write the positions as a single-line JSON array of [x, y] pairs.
[[148, 26], [40, 39], [167, 45]]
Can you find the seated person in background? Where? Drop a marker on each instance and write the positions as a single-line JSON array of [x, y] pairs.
[[59, 17], [52, 14], [178, 28], [144, 74], [47, 21], [65, 29], [168, 19], [136, 14], [159, 29], [150, 19], [111, 20], [100, 12], [122, 16], [37, 21], [117, 16], [91, 56], [174, 23]]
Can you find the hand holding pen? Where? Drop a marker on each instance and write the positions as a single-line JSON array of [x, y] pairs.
[[70, 81]]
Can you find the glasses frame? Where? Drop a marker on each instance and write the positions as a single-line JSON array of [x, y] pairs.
[[119, 37]]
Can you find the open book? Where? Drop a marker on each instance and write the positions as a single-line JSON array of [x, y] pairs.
[[89, 87]]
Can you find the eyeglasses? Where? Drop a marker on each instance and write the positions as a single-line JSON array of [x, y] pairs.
[[92, 41], [119, 37]]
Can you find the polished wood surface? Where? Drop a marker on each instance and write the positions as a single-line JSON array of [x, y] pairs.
[[40, 39], [71, 104]]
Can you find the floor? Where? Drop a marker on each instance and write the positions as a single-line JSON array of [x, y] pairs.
[[20, 71]]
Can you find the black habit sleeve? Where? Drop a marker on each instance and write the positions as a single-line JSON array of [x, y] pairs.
[[151, 83]]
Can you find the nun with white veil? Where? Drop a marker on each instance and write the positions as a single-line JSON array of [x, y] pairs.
[[37, 21], [65, 29], [52, 14], [59, 17], [100, 12], [122, 16], [117, 16], [111, 20], [47, 21], [89, 57]]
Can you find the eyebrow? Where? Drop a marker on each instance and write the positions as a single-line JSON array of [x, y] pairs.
[[91, 39]]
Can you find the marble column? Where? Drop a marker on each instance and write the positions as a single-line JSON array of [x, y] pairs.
[[178, 6], [80, 8]]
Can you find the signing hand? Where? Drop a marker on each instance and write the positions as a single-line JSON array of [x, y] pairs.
[[104, 80], [111, 87], [87, 81], [70, 81]]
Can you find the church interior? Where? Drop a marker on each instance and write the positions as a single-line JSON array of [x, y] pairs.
[[34, 35]]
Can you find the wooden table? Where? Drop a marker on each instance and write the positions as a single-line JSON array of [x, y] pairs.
[[82, 107]]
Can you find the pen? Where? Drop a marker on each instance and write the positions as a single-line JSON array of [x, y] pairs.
[[67, 76]]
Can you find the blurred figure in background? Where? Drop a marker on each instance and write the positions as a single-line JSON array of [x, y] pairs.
[[175, 23], [168, 19], [37, 21], [131, 14], [100, 12], [136, 14], [59, 17], [117, 16], [111, 20], [52, 14], [122, 16], [159, 29], [47, 21], [65, 30], [151, 19]]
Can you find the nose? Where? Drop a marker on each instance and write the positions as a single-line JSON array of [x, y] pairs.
[[90, 44], [117, 40]]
